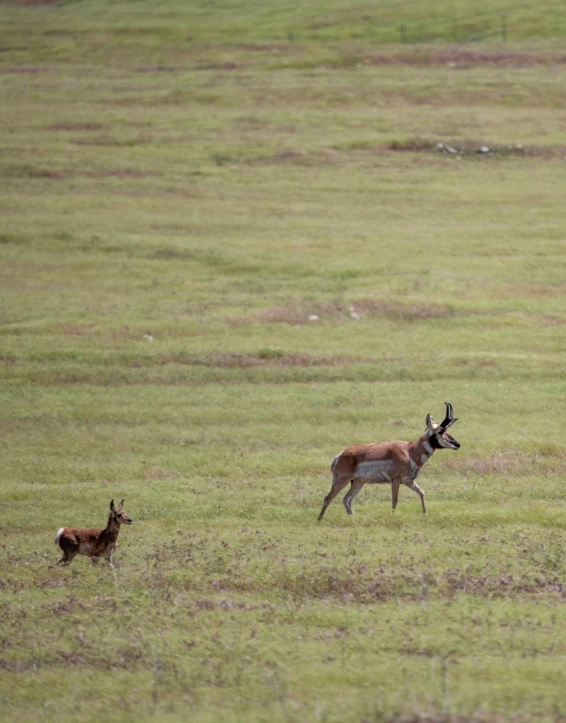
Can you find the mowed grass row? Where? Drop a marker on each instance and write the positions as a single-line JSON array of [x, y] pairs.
[[228, 249]]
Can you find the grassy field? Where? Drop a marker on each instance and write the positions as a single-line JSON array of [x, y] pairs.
[[183, 187]]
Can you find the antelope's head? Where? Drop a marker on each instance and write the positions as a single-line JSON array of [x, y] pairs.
[[118, 514], [439, 437]]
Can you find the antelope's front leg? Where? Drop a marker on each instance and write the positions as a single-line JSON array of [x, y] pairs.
[[395, 484], [414, 486]]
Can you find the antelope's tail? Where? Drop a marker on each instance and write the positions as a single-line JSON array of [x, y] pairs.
[[335, 462]]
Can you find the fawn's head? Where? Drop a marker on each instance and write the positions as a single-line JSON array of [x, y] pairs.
[[118, 514], [439, 437]]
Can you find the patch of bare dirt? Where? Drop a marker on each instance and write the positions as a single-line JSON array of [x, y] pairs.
[[16, 667], [303, 313], [475, 148]]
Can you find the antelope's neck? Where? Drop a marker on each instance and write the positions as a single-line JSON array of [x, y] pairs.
[[112, 529], [421, 450]]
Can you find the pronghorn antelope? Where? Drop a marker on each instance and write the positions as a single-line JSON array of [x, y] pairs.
[[92, 543], [395, 463]]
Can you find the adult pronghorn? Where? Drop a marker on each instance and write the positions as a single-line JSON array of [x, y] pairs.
[[92, 543], [395, 463]]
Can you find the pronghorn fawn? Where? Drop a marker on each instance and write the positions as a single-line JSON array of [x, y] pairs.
[[93, 543], [393, 463]]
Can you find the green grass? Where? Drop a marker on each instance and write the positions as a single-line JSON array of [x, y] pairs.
[[91, 26], [182, 186]]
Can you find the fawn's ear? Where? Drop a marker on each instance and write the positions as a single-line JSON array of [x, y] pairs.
[[121, 505], [112, 505]]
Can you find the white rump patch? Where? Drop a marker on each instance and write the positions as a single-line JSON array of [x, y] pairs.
[[335, 461], [58, 535]]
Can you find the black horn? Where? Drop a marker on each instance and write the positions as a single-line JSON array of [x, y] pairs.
[[449, 419]]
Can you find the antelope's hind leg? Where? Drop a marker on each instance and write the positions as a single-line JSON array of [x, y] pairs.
[[352, 492], [337, 486]]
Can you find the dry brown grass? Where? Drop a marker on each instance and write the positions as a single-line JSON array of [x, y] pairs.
[[154, 473], [453, 718], [269, 357], [28, 3], [363, 586], [512, 464], [74, 127], [464, 59], [329, 156], [30, 171], [501, 464], [551, 320]]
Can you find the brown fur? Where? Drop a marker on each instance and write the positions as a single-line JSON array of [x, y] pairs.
[[396, 463], [93, 543], [396, 452]]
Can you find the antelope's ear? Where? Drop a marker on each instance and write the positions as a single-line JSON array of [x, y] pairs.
[[112, 505], [429, 422], [121, 505]]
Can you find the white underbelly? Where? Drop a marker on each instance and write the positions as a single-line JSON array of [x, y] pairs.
[[375, 471]]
